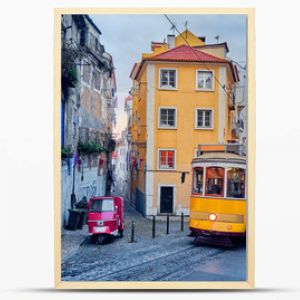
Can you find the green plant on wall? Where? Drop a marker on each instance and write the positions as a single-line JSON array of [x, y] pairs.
[[90, 147], [71, 55], [66, 152]]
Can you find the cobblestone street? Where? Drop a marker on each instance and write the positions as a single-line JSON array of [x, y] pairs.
[[170, 257]]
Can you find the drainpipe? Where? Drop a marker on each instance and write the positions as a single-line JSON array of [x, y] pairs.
[[73, 197]]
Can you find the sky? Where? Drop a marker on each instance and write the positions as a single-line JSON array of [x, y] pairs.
[[126, 37]]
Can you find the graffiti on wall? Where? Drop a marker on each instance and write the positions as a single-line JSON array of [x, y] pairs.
[[88, 191]]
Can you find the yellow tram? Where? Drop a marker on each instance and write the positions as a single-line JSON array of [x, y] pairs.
[[218, 199]]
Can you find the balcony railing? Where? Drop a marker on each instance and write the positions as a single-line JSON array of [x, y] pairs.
[[87, 135], [231, 100]]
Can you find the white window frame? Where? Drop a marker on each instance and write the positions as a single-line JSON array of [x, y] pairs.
[[213, 80], [159, 115], [158, 159], [167, 87], [95, 89], [196, 118]]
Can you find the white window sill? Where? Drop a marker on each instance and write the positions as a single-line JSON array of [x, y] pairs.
[[86, 84], [168, 89], [204, 128], [167, 169], [97, 91], [205, 90], [162, 127]]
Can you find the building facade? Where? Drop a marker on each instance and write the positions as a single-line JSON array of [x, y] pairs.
[[241, 106], [183, 96], [87, 115], [120, 166]]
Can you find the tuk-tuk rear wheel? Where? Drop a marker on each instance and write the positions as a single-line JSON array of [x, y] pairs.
[[94, 238]]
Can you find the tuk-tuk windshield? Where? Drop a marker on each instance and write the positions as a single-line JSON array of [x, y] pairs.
[[102, 205]]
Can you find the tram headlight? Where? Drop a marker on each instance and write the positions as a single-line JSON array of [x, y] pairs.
[[212, 217]]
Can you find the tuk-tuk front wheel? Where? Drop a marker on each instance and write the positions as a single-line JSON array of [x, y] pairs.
[[120, 232], [100, 239]]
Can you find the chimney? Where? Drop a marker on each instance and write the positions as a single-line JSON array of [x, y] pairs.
[[171, 41]]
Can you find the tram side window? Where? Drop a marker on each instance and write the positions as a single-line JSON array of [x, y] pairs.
[[236, 183], [214, 182], [198, 181]]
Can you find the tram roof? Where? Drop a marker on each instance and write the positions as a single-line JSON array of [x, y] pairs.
[[220, 155]]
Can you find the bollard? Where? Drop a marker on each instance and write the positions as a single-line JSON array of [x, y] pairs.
[[182, 223], [167, 223], [132, 240], [153, 227]]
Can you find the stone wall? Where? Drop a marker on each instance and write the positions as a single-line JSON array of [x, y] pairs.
[[140, 201], [91, 185]]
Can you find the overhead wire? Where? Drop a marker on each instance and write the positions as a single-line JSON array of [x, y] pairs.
[[197, 55], [223, 86], [237, 63]]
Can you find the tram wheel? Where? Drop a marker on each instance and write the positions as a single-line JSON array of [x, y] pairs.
[[239, 241]]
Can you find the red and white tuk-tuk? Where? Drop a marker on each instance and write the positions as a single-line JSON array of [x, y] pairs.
[[105, 217]]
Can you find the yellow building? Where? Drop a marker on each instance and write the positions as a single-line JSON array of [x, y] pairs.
[[183, 96]]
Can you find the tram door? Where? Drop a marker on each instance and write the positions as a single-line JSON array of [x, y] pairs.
[[166, 199]]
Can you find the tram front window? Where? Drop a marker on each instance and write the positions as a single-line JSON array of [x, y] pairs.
[[214, 182], [236, 183], [198, 181]]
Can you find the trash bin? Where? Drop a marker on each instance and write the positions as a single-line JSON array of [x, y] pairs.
[[74, 216], [82, 204], [82, 207]]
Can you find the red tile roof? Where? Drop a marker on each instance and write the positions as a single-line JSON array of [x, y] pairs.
[[186, 53]]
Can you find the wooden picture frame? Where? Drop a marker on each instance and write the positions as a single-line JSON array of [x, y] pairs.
[[158, 285]]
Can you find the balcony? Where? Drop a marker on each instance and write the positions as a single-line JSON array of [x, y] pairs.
[[231, 101], [88, 135], [109, 143], [232, 98], [106, 93]]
